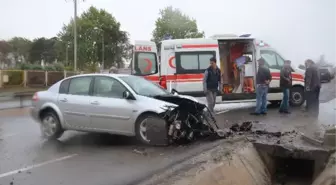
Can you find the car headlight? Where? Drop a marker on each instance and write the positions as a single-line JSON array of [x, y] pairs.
[[167, 107]]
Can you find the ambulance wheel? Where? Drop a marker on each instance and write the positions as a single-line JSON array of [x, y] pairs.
[[297, 96]]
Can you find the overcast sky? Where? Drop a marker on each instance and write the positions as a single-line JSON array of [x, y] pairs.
[[298, 29]]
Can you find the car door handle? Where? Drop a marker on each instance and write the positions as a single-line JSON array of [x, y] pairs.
[[95, 103], [64, 100]]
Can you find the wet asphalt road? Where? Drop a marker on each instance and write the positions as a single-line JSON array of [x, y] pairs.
[[99, 159]]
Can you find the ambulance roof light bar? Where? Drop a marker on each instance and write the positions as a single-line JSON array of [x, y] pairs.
[[245, 35], [223, 35], [262, 44]]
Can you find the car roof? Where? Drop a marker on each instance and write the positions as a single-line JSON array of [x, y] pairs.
[[100, 74]]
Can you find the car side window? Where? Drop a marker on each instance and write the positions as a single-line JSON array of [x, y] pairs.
[[108, 87], [80, 86], [64, 87], [270, 58]]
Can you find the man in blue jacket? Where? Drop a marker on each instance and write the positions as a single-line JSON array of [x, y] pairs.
[[211, 82]]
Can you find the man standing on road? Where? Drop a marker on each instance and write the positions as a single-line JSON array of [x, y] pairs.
[[285, 85], [264, 78], [211, 82], [312, 86]]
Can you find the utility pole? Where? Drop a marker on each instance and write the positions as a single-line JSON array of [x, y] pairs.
[[66, 56], [101, 31], [75, 35], [103, 50]]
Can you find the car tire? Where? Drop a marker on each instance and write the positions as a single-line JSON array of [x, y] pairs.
[[297, 96], [140, 127], [50, 126]]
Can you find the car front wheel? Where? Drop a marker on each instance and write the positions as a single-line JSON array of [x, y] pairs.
[[141, 127], [50, 126]]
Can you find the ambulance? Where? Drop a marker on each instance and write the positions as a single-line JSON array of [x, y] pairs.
[[178, 65]]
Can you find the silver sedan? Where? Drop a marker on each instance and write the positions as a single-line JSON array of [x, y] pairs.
[[109, 103]]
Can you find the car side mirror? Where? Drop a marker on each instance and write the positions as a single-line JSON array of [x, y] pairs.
[[127, 95]]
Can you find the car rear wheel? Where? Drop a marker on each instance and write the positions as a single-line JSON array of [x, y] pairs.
[[297, 96], [50, 126], [141, 127]]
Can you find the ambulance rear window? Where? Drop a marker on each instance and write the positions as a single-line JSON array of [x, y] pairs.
[[145, 63]]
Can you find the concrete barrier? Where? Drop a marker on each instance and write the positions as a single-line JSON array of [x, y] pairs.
[[328, 175], [245, 167], [242, 165], [238, 164]]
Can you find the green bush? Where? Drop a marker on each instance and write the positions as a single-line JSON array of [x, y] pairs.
[[68, 68], [30, 67], [49, 68], [59, 67], [55, 67]]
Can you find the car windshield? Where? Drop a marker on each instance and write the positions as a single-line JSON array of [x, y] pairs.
[[143, 87]]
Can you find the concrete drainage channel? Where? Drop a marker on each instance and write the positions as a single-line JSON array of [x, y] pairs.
[[258, 157]]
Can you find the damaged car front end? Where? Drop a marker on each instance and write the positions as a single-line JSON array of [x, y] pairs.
[[183, 121]]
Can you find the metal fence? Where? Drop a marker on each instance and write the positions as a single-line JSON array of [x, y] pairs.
[[38, 79], [12, 78], [28, 78]]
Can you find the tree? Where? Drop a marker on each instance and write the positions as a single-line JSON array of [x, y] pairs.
[[5, 49], [176, 24], [43, 49], [94, 26], [20, 48]]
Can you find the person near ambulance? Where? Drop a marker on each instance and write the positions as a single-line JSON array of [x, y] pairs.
[[285, 85], [312, 87], [211, 83], [264, 78]]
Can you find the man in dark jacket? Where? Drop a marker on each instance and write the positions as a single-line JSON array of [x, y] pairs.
[[285, 85], [264, 78], [211, 82], [312, 86]]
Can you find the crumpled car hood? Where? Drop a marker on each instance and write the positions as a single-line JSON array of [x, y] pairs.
[[184, 102]]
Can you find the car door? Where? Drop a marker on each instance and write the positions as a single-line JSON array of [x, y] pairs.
[[74, 102], [109, 110]]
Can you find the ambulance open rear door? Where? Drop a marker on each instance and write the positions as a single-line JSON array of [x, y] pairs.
[[145, 60]]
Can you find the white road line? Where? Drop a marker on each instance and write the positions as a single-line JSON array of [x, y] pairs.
[[221, 112], [9, 135], [36, 166], [13, 134]]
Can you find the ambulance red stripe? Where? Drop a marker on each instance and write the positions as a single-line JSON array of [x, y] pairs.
[[199, 77]]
